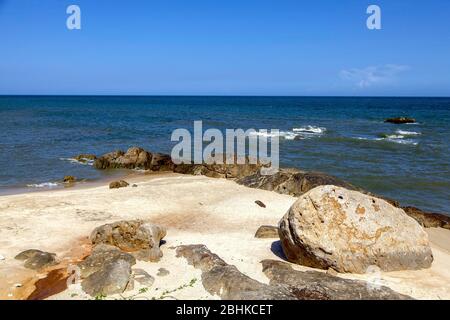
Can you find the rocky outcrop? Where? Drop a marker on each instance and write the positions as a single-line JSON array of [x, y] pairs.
[[36, 259], [118, 184], [428, 220], [291, 181], [400, 120], [267, 232], [136, 236], [134, 158], [332, 227], [226, 281], [321, 286]]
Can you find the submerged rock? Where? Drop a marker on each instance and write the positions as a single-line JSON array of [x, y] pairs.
[[267, 232], [400, 120], [69, 179], [84, 157], [118, 184], [332, 227], [137, 236], [321, 286], [36, 259]]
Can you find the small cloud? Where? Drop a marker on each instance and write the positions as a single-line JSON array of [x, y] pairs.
[[373, 75]]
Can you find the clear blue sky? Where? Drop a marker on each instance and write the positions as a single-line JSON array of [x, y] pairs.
[[225, 47]]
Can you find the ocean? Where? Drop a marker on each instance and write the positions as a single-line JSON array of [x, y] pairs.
[[344, 137]]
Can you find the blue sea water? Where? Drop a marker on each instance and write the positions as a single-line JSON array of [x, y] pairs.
[[345, 137]]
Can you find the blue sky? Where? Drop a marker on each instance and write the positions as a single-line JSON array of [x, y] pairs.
[[227, 47]]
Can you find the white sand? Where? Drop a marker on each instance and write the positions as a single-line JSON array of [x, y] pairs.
[[195, 209]]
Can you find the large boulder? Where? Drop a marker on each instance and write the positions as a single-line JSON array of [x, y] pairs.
[[136, 236], [332, 227]]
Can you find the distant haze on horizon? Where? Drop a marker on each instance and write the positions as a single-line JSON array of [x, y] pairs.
[[231, 48]]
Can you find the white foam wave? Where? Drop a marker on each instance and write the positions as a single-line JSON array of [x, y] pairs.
[[408, 133], [392, 138], [82, 161], [295, 134], [43, 185]]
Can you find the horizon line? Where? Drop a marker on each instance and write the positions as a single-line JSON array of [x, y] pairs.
[[220, 95]]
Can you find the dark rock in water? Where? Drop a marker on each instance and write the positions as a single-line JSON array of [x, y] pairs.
[[226, 281], [118, 184], [292, 181], [321, 286], [428, 220], [114, 277], [36, 259], [143, 278], [101, 256], [69, 179], [85, 157], [267, 232], [162, 272], [400, 120], [133, 158], [260, 203], [135, 236]]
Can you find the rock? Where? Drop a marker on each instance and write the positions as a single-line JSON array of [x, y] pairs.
[[36, 259], [134, 185], [316, 285], [134, 158], [332, 272], [428, 220], [114, 277], [101, 256], [118, 184], [161, 162], [260, 203], [69, 179], [226, 281], [162, 272], [84, 157], [267, 232], [135, 236], [291, 181], [400, 120], [332, 227], [143, 278]]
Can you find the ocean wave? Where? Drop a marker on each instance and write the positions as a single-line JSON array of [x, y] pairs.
[[408, 133], [391, 138], [296, 133], [43, 185], [82, 161]]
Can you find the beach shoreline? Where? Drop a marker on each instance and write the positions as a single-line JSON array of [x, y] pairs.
[[218, 213]]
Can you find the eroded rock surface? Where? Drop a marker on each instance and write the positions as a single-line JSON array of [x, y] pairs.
[[226, 281], [332, 227], [136, 236], [322, 286], [267, 232]]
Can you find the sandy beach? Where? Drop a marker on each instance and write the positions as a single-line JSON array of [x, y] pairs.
[[195, 210]]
